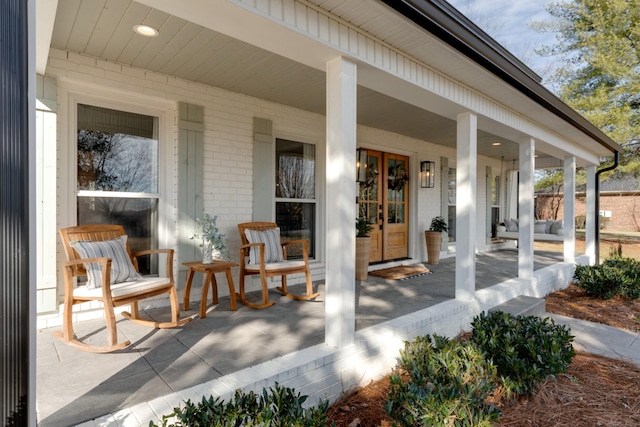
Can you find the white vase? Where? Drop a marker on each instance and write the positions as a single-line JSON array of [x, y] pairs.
[[207, 253]]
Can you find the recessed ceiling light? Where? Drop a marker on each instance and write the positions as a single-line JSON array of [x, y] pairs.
[[146, 30], [496, 143]]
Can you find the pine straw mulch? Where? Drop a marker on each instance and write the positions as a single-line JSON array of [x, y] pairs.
[[595, 391], [574, 302]]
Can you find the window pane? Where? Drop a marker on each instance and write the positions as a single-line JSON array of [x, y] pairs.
[[139, 217], [400, 212], [295, 179], [495, 190], [391, 214], [452, 223], [452, 186], [297, 221], [296, 175], [495, 219], [117, 151], [373, 213]]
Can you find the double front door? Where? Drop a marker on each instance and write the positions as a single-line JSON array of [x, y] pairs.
[[383, 198]]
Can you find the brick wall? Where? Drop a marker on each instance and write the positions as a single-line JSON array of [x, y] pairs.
[[624, 209]]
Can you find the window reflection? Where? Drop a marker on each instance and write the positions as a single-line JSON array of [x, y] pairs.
[[295, 194]]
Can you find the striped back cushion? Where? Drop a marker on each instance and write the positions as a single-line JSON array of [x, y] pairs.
[[122, 269], [272, 247]]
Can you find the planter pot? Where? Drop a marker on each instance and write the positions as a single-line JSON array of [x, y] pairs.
[[363, 248], [434, 243], [210, 254]]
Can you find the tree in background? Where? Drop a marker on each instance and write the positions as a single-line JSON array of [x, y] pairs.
[[550, 183], [600, 78]]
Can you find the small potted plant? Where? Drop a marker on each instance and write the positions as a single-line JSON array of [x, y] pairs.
[[213, 242], [433, 237], [363, 247]]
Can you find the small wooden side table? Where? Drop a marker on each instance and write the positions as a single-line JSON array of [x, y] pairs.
[[209, 279]]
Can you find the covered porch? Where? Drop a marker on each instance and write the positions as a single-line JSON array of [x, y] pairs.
[[219, 102], [252, 349], [226, 87]]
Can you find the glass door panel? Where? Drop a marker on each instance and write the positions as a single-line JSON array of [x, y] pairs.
[[396, 185], [370, 203]]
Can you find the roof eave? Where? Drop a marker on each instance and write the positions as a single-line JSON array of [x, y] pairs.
[[449, 25]]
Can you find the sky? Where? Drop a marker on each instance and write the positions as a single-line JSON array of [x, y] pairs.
[[507, 21]]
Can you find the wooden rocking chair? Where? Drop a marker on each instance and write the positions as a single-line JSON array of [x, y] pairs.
[[267, 256], [95, 242]]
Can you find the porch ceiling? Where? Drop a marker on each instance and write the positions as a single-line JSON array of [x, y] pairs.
[[103, 29]]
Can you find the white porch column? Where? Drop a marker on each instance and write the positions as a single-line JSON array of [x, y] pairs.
[[590, 238], [46, 119], [340, 282], [466, 181], [525, 208], [570, 209]]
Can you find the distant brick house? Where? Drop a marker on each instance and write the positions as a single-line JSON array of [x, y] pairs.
[[619, 205]]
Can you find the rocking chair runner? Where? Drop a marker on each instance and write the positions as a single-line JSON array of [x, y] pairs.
[[101, 286], [267, 256]]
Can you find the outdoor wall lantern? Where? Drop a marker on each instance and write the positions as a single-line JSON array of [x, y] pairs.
[[427, 172], [361, 164]]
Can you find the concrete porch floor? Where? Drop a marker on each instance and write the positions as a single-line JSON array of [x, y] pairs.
[[75, 386]]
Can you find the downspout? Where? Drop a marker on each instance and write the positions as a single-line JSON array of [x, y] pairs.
[[616, 160]]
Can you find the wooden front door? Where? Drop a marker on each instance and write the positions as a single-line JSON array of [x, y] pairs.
[[383, 198]]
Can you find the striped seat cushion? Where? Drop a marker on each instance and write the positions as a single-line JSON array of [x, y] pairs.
[[142, 284], [275, 265]]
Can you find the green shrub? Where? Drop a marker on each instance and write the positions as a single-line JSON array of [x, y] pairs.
[[277, 407], [448, 385], [525, 349], [616, 276]]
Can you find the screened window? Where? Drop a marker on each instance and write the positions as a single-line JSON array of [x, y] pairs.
[[296, 192], [117, 174]]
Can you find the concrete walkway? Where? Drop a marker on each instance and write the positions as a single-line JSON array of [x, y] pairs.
[[601, 339]]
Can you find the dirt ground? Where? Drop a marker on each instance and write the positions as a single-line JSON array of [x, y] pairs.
[[630, 246], [595, 391]]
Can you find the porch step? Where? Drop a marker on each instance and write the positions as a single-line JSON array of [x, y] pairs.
[[522, 306]]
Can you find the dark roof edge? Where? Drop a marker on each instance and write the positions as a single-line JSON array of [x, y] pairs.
[[449, 25]]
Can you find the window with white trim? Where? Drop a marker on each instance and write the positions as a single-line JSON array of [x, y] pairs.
[[117, 174], [296, 192]]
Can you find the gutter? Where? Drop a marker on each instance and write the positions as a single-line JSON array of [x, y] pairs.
[[446, 23], [616, 162]]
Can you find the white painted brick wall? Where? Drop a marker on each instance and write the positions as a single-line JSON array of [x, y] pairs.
[[228, 152]]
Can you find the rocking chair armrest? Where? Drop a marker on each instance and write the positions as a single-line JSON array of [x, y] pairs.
[[152, 251], [244, 251], [81, 261], [168, 252], [68, 267], [249, 245]]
